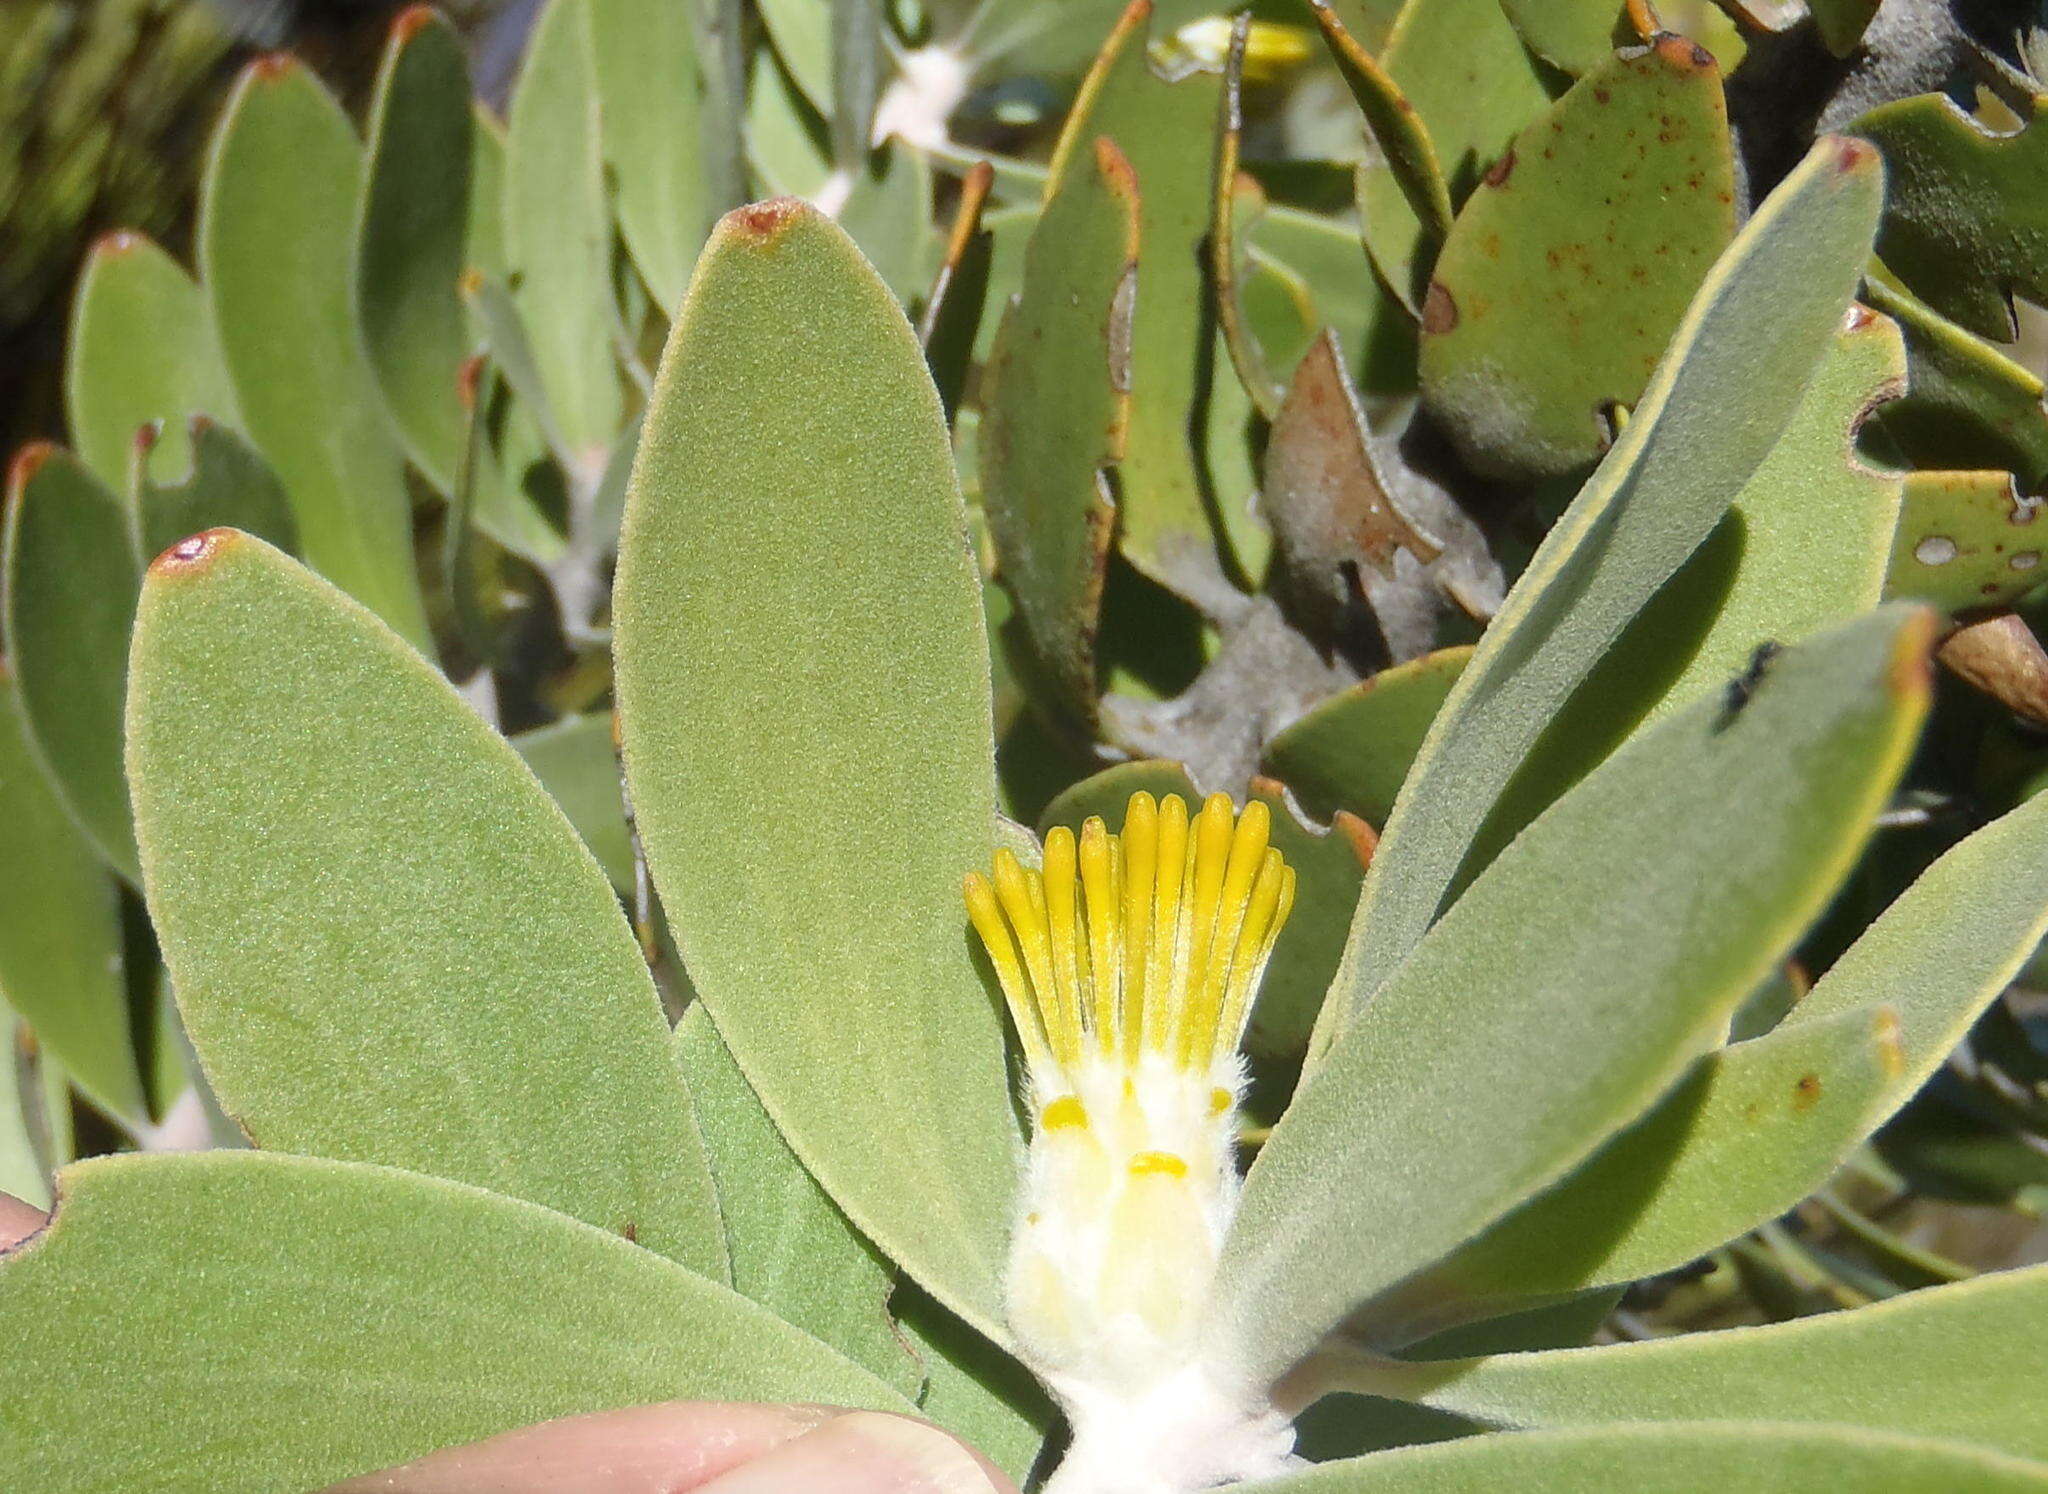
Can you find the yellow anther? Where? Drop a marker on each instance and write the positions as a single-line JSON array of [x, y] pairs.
[[1213, 832], [1105, 955], [987, 915], [1061, 885], [1140, 864], [1220, 1100], [1064, 1113], [1158, 1164], [1165, 976]]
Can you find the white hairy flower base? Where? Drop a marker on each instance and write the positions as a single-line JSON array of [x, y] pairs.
[[1129, 963]]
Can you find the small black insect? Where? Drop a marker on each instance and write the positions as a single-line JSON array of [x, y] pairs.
[[1744, 685]]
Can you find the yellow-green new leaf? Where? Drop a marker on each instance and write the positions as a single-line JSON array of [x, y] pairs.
[[804, 697], [345, 1319], [1570, 987], [276, 250], [386, 941]]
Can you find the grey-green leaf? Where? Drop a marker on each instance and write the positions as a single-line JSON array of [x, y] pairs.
[[374, 1316], [804, 693], [386, 941], [1569, 988]]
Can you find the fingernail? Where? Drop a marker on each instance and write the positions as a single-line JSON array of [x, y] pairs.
[[864, 1452]]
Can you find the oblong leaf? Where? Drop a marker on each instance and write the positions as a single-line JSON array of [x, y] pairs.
[[71, 578], [1571, 985], [276, 235], [1958, 1361], [141, 350], [348, 1318], [1755, 1457], [804, 698], [1716, 406], [60, 932], [646, 62], [386, 941]]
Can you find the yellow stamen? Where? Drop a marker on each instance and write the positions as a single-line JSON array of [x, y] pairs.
[[1151, 941], [1148, 1164], [1066, 1111]]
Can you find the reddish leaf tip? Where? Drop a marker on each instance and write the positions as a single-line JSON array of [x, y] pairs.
[[272, 66], [192, 553], [763, 223], [410, 22], [146, 436], [118, 242], [27, 463], [1852, 154]]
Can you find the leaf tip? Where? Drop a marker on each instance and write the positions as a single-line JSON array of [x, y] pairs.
[[272, 66], [1910, 673], [763, 224], [410, 22], [116, 243], [1851, 155], [28, 461], [1682, 54], [193, 553]]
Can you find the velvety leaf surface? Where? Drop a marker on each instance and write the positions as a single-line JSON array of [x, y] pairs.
[[1163, 527], [1964, 226], [558, 228], [1353, 750], [1571, 263], [60, 932], [70, 575], [973, 1389], [1055, 405], [411, 245], [792, 1250], [575, 762], [1717, 405], [141, 349], [647, 81], [1396, 129], [228, 483], [368, 1316], [889, 214], [386, 942], [1965, 540], [276, 235], [1755, 1457], [1706, 845], [1956, 1361], [803, 686]]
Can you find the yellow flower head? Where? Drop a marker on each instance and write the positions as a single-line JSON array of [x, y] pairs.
[[1129, 963]]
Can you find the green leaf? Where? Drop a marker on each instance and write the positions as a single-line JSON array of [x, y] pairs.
[[60, 934], [1375, 331], [792, 1250], [71, 576], [973, 1389], [1955, 1361], [794, 535], [1397, 131], [21, 1170], [1163, 526], [1755, 1457], [227, 483], [1717, 405], [1969, 405], [1055, 399], [412, 233], [348, 1318], [1573, 261], [141, 350], [646, 58], [1703, 848], [1473, 85], [575, 762], [322, 817], [1964, 541], [558, 229], [276, 235], [1353, 750], [888, 212], [1964, 227]]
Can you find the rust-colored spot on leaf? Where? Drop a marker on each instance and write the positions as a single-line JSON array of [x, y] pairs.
[[26, 464], [411, 22], [1500, 170], [765, 222], [272, 66], [630, 1230], [1439, 310], [147, 435], [192, 553], [1806, 1093], [468, 380], [1891, 1047]]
